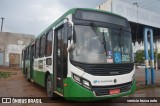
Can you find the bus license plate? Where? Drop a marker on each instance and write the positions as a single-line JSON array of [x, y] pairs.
[[114, 91]]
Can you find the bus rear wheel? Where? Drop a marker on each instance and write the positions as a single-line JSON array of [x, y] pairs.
[[49, 86]]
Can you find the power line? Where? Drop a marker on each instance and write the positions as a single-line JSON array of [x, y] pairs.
[[147, 3], [153, 4], [136, 4], [143, 3]]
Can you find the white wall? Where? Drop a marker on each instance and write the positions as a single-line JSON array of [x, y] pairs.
[[107, 6], [11, 48], [130, 12]]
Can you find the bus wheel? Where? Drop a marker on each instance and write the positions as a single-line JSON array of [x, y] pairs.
[[49, 86]]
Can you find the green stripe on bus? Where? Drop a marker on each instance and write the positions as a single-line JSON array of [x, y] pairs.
[[39, 77]]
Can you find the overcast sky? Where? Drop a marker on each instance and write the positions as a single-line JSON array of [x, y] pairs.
[[33, 16]]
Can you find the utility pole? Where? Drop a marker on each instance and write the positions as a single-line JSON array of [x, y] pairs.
[[2, 23], [156, 53], [136, 4]]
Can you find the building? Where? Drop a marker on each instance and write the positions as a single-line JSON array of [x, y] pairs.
[[11, 45], [138, 17]]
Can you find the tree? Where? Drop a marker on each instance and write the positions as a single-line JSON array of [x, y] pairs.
[[139, 56]]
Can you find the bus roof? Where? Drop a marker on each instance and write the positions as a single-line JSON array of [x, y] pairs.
[[71, 11]]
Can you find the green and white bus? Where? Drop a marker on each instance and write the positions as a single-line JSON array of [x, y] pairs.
[[84, 55]]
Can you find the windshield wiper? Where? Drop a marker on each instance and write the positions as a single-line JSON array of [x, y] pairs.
[[119, 37], [98, 34]]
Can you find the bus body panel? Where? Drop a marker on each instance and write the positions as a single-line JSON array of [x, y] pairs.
[[103, 80], [40, 69], [72, 90], [39, 77], [108, 80], [84, 94]]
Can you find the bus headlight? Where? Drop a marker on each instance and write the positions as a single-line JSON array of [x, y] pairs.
[[85, 83], [81, 81], [77, 78]]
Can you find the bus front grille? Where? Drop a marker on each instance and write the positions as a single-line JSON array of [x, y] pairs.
[[105, 69], [110, 70], [104, 90]]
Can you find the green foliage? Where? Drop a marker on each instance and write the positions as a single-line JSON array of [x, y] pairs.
[[139, 56], [4, 75]]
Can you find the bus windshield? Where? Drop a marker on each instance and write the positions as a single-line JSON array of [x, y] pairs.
[[99, 45]]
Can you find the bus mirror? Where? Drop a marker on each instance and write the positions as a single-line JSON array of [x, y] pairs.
[[69, 31]]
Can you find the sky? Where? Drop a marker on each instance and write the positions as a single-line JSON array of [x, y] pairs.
[[33, 16], [152, 5]]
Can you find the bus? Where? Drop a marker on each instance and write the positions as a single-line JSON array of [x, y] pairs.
[[86, 54]]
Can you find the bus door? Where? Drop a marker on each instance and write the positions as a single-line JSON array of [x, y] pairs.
[[58, 60]]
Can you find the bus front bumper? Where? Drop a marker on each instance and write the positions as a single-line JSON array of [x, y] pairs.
[[77, 92]]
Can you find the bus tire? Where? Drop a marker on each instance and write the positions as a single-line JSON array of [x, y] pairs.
[[49, 87]]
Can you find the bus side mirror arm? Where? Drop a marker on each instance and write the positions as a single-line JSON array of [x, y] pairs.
[[71, 47], [69, 31]]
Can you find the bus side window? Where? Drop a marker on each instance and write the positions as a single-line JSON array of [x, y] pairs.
[[48, 50], [32, 51], [29, 52], [42, 46], [22, 55], [26, 53], [37, 48]]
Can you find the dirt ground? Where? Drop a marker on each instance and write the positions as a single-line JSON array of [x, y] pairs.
[[16, 86]]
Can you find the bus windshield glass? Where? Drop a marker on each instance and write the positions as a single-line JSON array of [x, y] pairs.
[[99, 45]]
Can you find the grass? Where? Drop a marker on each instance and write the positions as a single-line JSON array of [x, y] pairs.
[[4, 75]]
